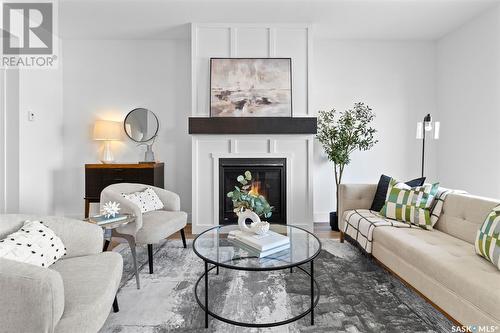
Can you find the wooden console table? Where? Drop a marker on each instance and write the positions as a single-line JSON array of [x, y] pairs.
[[99, 176]]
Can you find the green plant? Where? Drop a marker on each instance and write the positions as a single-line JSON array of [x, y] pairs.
[[341, 133], [244, 197]]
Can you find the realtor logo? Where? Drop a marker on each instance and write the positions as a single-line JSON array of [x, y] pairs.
[[28, 34], [27, 28]]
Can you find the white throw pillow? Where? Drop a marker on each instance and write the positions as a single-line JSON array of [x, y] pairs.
[[147, 200], [34, 243]]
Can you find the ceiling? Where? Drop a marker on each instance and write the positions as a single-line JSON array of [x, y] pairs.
[[341, 19]]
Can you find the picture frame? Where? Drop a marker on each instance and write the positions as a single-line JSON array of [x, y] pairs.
[[251, 87]]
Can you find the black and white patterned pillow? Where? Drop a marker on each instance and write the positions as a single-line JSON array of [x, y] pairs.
[[34, 243], [147, 200]]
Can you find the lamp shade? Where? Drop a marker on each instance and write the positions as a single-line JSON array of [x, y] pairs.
[[107, 130], [419, 134], [437, 127]]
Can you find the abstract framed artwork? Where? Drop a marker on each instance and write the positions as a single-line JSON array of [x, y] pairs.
[[250, 87]]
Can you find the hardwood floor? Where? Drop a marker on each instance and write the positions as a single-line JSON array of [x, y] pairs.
[[324, 231]]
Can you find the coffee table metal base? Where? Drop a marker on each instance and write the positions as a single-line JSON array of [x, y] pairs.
[[314, 299]]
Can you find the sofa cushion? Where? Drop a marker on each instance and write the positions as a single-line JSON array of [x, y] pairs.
[[34, 244], [448, 260], [90, 285], [69, 230], [383, 186], [488, 238], [158, 225], [463, 214], [147, 200], [411, 205]]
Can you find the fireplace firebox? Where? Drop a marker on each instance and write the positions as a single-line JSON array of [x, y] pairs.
[[268, 179]]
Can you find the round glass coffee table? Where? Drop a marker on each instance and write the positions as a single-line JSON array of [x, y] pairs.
[[216, 250]]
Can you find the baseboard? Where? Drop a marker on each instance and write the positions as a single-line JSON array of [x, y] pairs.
[[321, 217]]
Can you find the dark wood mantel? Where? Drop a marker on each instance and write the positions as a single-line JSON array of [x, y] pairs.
[[252, 125]]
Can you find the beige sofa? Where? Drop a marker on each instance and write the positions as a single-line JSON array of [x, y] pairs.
[[441, 264], [73, 295]]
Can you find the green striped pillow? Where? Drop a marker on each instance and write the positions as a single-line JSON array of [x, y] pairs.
[[488, 238], [412, 205]]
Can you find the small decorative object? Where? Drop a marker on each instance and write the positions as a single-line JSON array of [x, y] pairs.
[[251, 87], [422, 128], [257, 226], [141, 125], [110, 209], [260, 228], [107, 131], [246, 196], [149, 155], [244, 215], [343, 133]]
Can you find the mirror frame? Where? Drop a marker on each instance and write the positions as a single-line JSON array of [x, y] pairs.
[[125, 128]]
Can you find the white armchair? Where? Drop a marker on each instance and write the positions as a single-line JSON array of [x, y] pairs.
[[151, 227], [73, 295]]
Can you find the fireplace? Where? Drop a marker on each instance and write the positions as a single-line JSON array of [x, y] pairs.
[[268, 179]]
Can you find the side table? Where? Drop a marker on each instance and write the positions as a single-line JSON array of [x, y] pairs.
[[129, 238]]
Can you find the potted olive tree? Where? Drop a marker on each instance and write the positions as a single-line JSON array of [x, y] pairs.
[[340, 134]]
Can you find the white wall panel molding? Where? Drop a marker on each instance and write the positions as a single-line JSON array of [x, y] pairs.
[[250, 40]]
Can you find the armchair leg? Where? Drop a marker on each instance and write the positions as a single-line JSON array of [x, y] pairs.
[[183, 236], [106, 244], [341, 237], [150, 257], [115, 305]]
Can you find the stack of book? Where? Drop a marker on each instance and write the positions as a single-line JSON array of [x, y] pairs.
[[259, 245], [103, 220]]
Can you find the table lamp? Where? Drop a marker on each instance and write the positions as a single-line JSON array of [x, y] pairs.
[[107, 131]]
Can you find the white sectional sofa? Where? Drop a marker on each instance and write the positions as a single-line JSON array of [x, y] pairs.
[[441, 264]]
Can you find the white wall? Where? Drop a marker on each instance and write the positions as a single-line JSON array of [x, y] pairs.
[[9, 140], [469, 106], [107, 79], [40, 141], [396, 79]]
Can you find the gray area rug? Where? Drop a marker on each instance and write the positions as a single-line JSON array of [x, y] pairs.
[[356, 296]]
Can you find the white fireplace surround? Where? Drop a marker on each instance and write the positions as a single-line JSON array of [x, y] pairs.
[[251, 40], [208, 149]]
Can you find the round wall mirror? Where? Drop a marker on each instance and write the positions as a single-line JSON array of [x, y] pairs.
[[141, 125]]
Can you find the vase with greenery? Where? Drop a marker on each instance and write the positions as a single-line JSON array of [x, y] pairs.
[[342, 133], [245, 196]]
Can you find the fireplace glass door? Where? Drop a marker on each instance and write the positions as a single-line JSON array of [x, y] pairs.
[[268, 180]]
